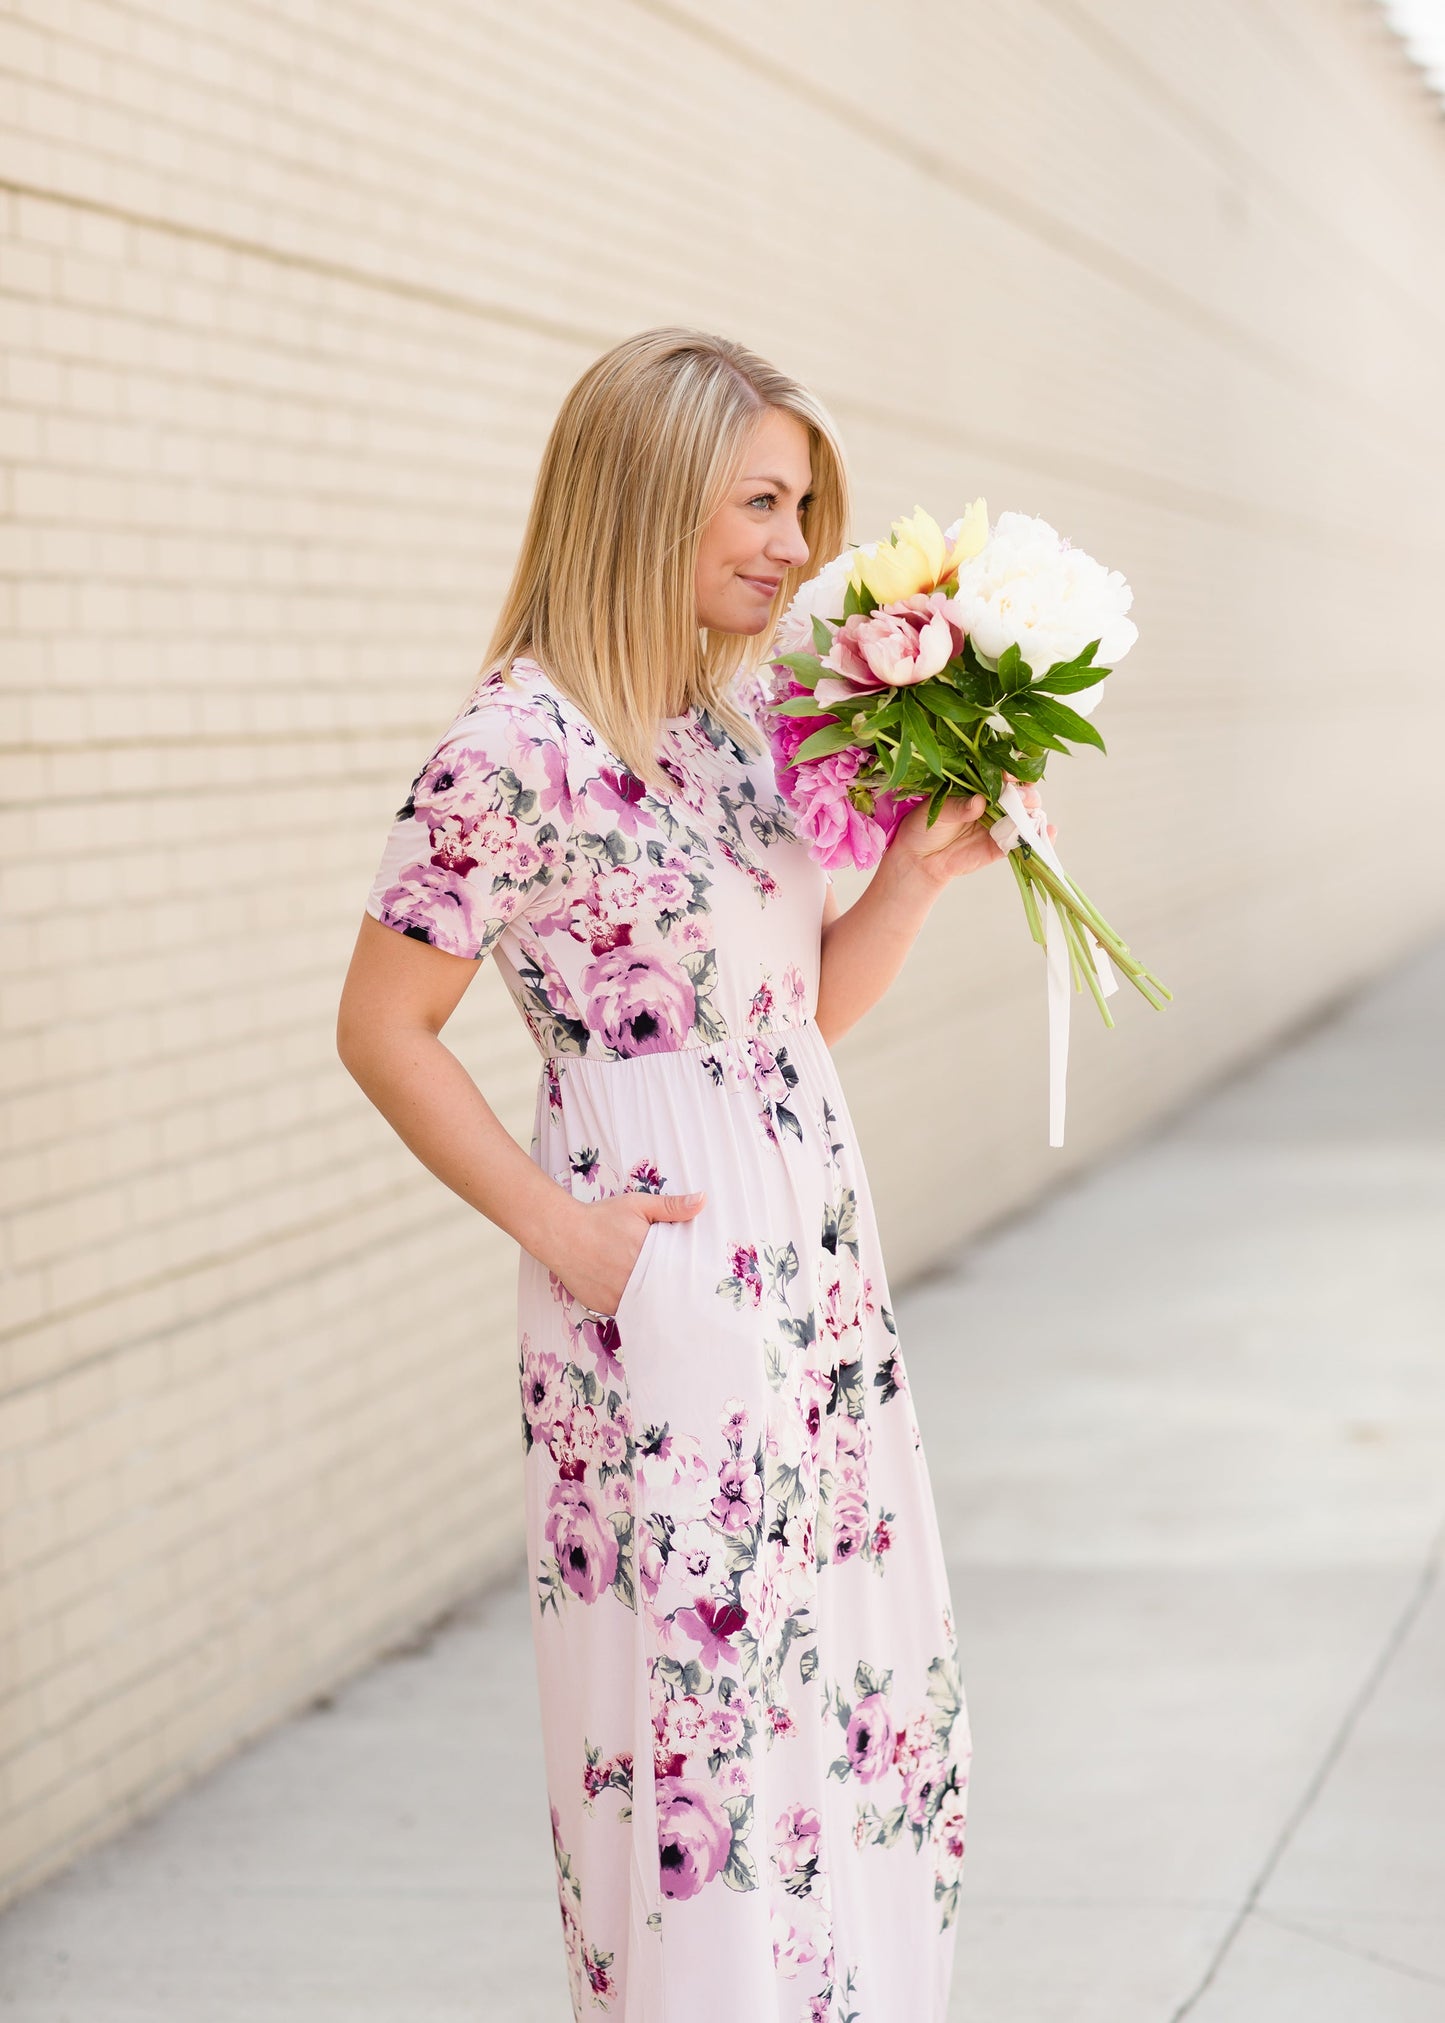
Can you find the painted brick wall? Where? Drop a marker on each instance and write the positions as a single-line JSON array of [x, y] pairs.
[[289, 298]]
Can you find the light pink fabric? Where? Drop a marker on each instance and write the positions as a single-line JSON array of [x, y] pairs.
[[756, 1740]]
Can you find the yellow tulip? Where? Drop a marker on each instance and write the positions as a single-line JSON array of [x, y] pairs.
[[918, 558]]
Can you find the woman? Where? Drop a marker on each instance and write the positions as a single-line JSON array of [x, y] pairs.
[[755, 1733]]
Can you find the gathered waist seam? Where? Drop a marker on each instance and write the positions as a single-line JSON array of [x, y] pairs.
[[735, 1042]]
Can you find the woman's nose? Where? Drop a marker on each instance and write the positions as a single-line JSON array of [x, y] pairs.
[[792, 549]]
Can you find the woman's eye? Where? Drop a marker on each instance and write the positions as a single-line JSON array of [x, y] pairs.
[[763, 499]]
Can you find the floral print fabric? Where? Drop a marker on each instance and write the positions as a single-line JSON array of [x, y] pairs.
[[755, 1733]]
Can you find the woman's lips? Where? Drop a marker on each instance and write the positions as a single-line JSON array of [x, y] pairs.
[[767, 587]]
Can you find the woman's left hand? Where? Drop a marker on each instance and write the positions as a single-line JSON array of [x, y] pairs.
[[957, 843]]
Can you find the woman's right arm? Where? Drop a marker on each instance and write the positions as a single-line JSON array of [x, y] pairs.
[[398, 994]]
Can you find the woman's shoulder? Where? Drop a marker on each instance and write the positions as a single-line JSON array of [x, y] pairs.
[[516, 698]]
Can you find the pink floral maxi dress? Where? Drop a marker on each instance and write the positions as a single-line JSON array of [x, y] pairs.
[[754, 1727]]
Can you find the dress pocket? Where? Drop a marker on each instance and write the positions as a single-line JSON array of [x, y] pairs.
[[639, 1269]]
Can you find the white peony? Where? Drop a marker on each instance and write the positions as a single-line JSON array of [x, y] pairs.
[[1028, 587], [821, 596]]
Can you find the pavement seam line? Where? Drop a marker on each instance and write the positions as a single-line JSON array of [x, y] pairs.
[[1406, 1621], [1357, 1952]]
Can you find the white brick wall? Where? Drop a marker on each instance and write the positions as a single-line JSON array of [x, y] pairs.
[[286, 308]]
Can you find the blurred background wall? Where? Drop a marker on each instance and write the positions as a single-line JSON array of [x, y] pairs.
[[289, 299]]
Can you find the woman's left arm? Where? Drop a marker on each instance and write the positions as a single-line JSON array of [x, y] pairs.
[[864, 948]]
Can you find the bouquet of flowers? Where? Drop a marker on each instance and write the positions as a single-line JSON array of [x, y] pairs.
[[935, 663]]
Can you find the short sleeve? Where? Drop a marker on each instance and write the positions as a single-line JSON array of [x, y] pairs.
[[481, 839]]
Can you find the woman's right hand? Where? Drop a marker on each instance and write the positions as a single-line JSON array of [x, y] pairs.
[[609, 1242]]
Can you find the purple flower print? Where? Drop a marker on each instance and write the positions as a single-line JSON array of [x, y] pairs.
[[796, 1837], [694, 1837], [735, 1423], [713, 1625], [919, 1755], [680, 1730], [949, 1831], [585, 1544], [796, 1940], [740, 1498], [604, 1338], [617, 797], [637, 1004], [574, 1442], [923, 1781], [546, 1398], [870, 1738], [727, 1723]]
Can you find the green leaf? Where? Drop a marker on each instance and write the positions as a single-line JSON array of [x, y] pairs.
[[915, 720], [1042, 713], [1028, 766], [990, 772], [822, 635], [1011, 667], [799, 705], [961, 703], [806, 667], [1015, 712], [1067, 681], [1083, 658], [902, 760], [834, 737]]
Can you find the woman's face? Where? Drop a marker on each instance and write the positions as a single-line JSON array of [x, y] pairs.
[[757, 531]]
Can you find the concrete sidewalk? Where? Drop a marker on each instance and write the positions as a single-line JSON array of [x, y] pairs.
[[1192, 1474]]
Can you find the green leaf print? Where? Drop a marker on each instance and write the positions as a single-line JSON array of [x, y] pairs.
[[739, 1871], [799, 1333], [623, 1585], [782, 1266], [808, 1664], [945, 1690], [775, 1363], [866, 1680], [788, 1120]]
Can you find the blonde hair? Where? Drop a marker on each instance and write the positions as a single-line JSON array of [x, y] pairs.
[[644, 450]]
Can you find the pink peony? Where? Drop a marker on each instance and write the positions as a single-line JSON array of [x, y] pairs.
[[829, 820], [892, 647]]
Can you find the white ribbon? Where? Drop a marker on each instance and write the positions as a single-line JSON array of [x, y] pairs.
[[1031, 825]]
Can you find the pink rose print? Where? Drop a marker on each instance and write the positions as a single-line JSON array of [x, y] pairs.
[[694, 1837], [637, 1003], [585, 1544], [850, 1521], [870, 1737]]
